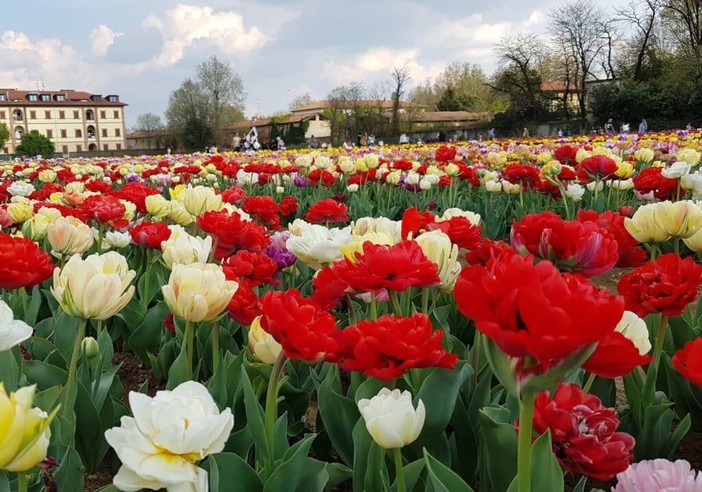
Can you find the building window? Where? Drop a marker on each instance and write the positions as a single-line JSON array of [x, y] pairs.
[[60, 97], [49, 134], [47, 115], [45, 97], [2, 97], [79, 148], [118, 132], [116, 114], [119, 146], [19, 133], [103, 115], [91, 131], [113, 99], [89, 115], [32, 115], [79, 133], [33, 97], [62, 115], [65, 149], [2, 115], [17, 115], [63, 133], [105, 147], [104, 132], [75, 115]]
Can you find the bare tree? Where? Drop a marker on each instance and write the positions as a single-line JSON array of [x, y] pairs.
[[642, 17], [580, 25], [223, 88], [400, 78], [685, 21], [151, 125], [345, 103], [300, 100]]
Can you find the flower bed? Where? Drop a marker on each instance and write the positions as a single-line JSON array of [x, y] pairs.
[[399, 318]]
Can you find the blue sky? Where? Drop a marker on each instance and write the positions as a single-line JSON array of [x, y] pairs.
[[144, 49]]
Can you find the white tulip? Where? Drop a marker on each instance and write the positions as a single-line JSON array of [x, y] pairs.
[[12, 331], [634, 328], [160, 446], [391, 419]]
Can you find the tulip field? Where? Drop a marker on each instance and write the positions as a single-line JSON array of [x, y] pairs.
[[419, 317]]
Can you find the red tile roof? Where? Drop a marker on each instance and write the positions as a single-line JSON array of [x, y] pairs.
[[15, 97]]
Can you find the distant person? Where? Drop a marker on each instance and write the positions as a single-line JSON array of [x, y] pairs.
[[609, 127], [313, 144], [442, 136], [560, 132], [643, 126], [525, 133], [364, 139], [236, 142], [280, 145], [625, 128], [371, 140], [404, 139], [491, 133]]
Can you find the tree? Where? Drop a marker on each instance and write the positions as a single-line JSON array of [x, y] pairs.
[[519, 75], [185, 103], [579, 24], [150, 124], [300, 100], [4, 134], [345, 111], [400, 77], [684, 20], [222, 88], [642, 17], [34, 144], [215, 97], [197, 135]]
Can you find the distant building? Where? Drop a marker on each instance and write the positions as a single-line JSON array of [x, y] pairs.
[[557, 93], [74, 121]]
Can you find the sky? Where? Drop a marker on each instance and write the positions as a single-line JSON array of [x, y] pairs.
[[143, 49]]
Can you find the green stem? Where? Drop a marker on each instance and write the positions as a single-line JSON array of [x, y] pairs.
[[70, 388], [215, 347], [189, 344], [676, 242], [590, 380], [99, 329], [654, 251], [425, 300], [399, 471], [101, 233], [526, 418], [352, 311], [22, 482], [373, 307], [395, 303], [475, 355], [649, 391], [272, 408]]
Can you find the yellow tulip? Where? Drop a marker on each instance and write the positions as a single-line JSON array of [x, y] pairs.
[[198, 292], [200, 199], [262, 344], [24, 431], [20, 211]]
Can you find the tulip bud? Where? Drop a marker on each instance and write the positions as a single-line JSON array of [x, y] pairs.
[[90, 347]]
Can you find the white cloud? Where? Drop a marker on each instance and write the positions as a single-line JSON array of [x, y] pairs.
[[184, 25], [102, 38]]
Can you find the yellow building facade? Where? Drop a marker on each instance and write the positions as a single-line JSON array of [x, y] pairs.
[[74, 121]]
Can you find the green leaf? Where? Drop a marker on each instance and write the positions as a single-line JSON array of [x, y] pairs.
[[147, 337], [9, 369], [368, 460], [439, 393], [229, 473], [297, 472], [339, 414], [441, 478], [255, 418], [499, 439], [69, 474], [178, 372]]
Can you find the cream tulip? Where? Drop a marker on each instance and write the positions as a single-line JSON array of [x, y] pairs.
[[198, 291], [183, 248], [97, 287], [200, 199], [69, 236], [438, 248], [391, 419], [634, 328]]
